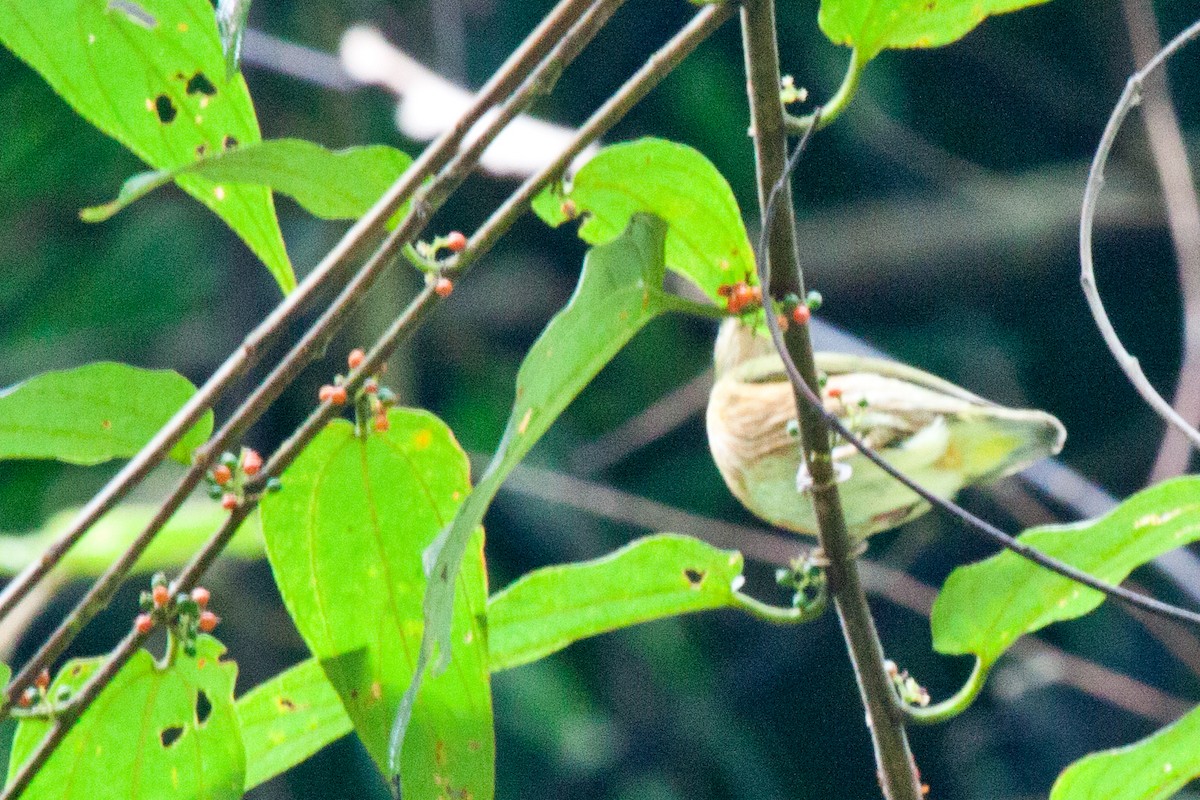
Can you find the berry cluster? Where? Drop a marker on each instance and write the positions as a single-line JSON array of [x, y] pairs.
[[907, 688], [36, 695], [740, 297], [372, 399], [227, 480], [187, 615], [425, 256]]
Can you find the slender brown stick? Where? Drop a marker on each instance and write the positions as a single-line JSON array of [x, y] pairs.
[[780, 263], [314, 341], [502, 83]]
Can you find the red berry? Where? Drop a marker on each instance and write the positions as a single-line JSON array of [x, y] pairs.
[[26, 699], [201, 596], [456, 242], [222, 474], [833, 393], [251, 461], [382, 424], [356, 358], [443, 287], [371, 386], [144, 623], [43, 680], [229, 502], [208, 620], [161, 594], [801, 315]]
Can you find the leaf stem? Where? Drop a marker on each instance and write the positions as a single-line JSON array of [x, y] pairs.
[[952, 706], [833, 109], [779, 614]]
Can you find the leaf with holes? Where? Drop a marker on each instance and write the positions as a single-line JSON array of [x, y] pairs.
[[151, 74], [287, 719], [152, 734], [344, 539], [620, 290], [706, 239], [1155, 768], [95, 413], [651, 578], [871, 26], [340, 184], [189, 528], [985, 607]]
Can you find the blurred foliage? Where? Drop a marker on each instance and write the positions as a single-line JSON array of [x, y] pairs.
[[939, 219]]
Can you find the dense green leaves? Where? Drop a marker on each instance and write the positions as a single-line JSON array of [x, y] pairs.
[[985, 607], [651, 578], [620, 290], [706, 239], [287, 719], [95, 413], [341, 184], [871, 26], [1155, 768], [151, 74], [184, 533], [344, 539], [152, 734]]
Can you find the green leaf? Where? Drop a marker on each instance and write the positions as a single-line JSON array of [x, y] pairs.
[[706, 240], [287, 719], [149, 735], [658, 576], [985, 607], [620, 290], [344, 539], [151, 74], [327, 184], [871, 26], [95, 413], [1155, 768], [190, 527]]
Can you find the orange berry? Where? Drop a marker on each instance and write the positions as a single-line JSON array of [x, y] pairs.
[[222, 474], [25, 700], [43, 680], [371, 386], [251, 462], [569, 209], [382, 424], [801, 315], [325, 394], [833, 393], [443, 287], [201, 596], [229, 502], [456, 241], [144, 623], [208, 620], [783, 321], [338, 396], [356, 358], [161, 595]]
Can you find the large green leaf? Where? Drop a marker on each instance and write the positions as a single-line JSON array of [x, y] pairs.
[[344, 539], [340, 184], [289, 718], [706, 239], [620, 290], [151, 74], [985, 607], [189, 528], [152, 734], [871, 26], [1155, 768], [95, 413], [651, 578]]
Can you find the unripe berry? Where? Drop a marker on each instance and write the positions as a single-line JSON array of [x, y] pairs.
[[456, 241], [161, 595], [801, 315], [201, 596], [356, 358], [43, 680], [229, 502], [443, 287], [208, 621], [222, 474], [144, 623], [251, 462]]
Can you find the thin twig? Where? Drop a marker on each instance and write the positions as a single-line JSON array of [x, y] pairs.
[[313, 342], [1130, 97], [1183, 221], [502, 83]]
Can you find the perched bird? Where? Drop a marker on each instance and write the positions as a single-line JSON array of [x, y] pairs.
[[942, 436]]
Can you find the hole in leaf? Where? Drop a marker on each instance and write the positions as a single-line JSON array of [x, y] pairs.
[[201, 150], [286, 704], [200, 84], [170, 735], [203, 707], [165, 109], [229, 142], [133, 12], [694, 576]]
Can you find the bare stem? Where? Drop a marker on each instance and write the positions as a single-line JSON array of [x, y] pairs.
[[780, 274]]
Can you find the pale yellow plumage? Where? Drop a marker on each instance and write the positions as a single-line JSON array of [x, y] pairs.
[[942, 436]]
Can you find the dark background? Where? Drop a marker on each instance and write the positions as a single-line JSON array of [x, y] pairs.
[[939, 220]]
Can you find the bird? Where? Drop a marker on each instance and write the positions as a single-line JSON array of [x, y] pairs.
[[934, 432]]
